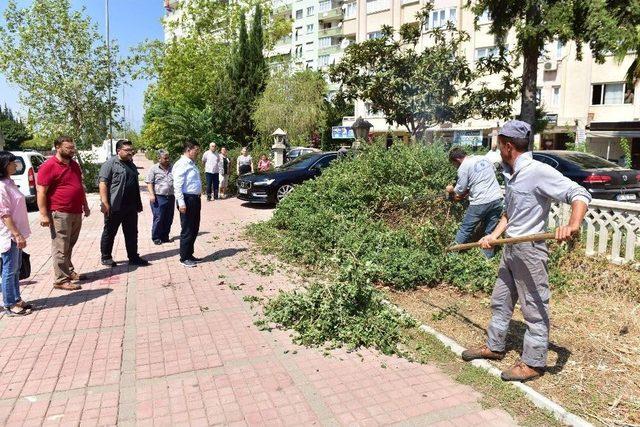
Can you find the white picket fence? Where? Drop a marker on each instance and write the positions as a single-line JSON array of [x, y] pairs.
[[613, 228]]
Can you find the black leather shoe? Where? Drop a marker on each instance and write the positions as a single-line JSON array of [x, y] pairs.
[[109, 262], [194, 259], [157, 242], [139, 261]]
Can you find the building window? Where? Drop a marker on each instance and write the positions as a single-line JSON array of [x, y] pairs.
[[297, 33], [486, 52], [538, 96], [350, 10], [611, 94], [299, 14], [324, 42], [309, 28], [298, 52], [311, 10], [485, 18], [559, 49], [374, 35], [310, 63], [374, 6], [440, 18], [323, 60], [555, 98], [324, 6]]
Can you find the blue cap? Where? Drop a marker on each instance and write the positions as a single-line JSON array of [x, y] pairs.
[[515, 129]]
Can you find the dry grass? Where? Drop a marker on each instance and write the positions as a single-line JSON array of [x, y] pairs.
[[594, 357]]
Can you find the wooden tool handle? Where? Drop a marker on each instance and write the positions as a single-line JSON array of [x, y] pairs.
[[521, 239]]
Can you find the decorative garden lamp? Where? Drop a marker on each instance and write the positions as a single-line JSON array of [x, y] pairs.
[[361, 131], [279, 138]]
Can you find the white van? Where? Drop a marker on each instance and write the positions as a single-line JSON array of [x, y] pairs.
[[28, 163]]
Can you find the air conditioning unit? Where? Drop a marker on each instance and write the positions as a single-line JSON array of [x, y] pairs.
[[551, 66]]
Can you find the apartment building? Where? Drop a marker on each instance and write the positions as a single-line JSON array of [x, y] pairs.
[[585, 102]]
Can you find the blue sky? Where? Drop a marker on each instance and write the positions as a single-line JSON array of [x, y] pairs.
[[132, 21]]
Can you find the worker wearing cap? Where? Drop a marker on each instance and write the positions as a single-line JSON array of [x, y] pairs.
[[477, 180], [531, 186]]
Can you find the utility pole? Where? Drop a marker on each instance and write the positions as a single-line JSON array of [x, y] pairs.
[[106, 17]]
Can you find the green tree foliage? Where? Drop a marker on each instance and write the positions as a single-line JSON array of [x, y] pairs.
[[418, 88], [58, 60], [293, 102], [604, 26], [247, 73], [13, 130]]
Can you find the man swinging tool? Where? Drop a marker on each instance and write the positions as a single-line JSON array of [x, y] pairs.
[[477, 178], [531, 186]]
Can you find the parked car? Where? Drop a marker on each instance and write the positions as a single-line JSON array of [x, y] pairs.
[[271, 187], [28, 163], [603, 179], [295, 152]]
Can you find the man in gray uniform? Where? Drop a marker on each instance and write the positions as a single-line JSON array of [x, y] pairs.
[[531, 186], [477, 179]]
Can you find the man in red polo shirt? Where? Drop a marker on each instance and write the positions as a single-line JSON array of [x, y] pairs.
[[62, 200]]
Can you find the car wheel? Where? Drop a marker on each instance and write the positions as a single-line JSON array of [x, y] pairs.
[[283, 191]]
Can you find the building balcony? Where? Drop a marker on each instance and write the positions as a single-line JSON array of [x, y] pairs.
[[328, 50], [334, 14], [330, 32]]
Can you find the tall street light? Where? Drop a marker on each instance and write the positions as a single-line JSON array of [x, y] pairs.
[[106, 17]]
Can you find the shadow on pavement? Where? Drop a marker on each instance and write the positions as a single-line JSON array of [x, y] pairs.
[[259, 206], [72, 298], [224, 253]]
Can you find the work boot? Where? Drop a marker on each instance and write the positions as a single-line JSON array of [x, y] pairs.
[[481, 353], [521, 372]]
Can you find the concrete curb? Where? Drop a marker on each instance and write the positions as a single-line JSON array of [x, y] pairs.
[[536, 398]]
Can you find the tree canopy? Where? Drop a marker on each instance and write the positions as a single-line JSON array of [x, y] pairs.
[[13, 130], [58, 60], [604, 26], [420, 88], [294, 102]]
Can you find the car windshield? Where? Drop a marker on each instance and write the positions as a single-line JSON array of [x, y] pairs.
[[588, 161], [300, 162]]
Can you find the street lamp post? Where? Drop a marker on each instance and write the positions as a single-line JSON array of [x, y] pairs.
[[106, 17], [361, 129], [279, 137]]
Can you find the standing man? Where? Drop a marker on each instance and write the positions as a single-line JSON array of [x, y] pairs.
[[61, 201], [160, 185], [121, 203], [531, 186], [187, 188], [493, 155], [212, 161], [224, 172], [477, 178]]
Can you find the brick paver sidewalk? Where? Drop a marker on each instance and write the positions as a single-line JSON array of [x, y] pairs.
[[166, 345]]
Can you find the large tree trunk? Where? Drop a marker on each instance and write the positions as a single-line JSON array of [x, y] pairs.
[[531, 53]]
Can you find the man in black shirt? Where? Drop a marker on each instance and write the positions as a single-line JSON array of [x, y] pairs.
[[120, 203]]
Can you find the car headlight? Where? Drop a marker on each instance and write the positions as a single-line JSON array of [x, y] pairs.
[[264, 182]]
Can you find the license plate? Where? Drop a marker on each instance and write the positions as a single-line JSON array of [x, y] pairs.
[[242, 190], [625, 197]]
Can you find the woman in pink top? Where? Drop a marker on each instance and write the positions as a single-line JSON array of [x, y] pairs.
[[264, 164], [14, 231]]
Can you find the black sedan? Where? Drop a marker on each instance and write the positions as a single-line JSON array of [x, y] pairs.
[[603, 179], [271, 187]]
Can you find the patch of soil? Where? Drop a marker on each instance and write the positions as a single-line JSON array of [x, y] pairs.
[[594, 354]]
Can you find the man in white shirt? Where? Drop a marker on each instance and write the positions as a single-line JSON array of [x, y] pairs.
[[212, 166], [187, 188], [494, 154]]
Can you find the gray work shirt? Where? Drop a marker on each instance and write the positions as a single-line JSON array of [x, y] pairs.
[[477, 175], [161, 179], [122, 184], [531, 186]]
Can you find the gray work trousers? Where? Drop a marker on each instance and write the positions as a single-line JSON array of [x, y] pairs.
[[522, 276]]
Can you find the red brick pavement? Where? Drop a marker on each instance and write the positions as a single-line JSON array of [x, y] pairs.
[[165, 346]]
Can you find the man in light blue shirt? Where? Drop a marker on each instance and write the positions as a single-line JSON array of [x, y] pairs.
[[187, 188], [531, 186], [477, 179]]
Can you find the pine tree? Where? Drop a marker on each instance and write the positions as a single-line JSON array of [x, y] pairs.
[[246, 78], [14, 131]]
